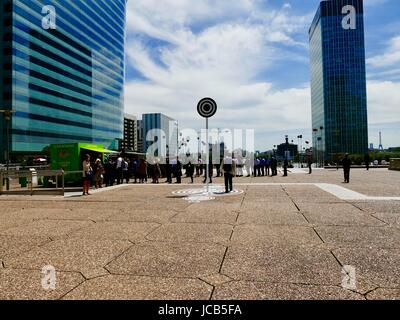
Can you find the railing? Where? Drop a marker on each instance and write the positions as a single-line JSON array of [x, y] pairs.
[[30, 179], [394, 164]]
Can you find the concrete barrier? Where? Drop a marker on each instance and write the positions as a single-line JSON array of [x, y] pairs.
[[394, 164]]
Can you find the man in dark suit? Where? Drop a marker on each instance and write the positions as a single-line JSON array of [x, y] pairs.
[[346, 168]]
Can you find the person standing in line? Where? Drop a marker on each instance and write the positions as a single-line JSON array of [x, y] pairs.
[[190, 171], [168, 171], [267, 166], [178, 173], [98, 173], [119, 170], [125, 170], [247, 165], [346, 168], [210, 171], [87, 175], [274, 166], [228, 167]]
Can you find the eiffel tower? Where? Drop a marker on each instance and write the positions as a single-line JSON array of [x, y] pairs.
[[380, 142]]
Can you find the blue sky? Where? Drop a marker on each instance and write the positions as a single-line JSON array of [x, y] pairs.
[[252, 57]]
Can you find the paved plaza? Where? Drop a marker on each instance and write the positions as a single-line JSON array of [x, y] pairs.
[[281, 238]]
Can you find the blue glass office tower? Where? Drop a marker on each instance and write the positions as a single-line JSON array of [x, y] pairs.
[[65, 84], [338, 81], [156, 124]]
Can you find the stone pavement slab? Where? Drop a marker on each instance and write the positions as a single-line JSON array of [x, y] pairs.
[[284, 263], [85, 256], [377, 268], [49, 228], [247, 290], [84, 214], [211, 215], [169, 260], [272, 206], [114, 287], [341, 218], [379, 206], [27, 285], [275, 234], [384, 294], [279, 218], [360, 237], [11, 246], [142, 215], [192, 232], [327, 208], [113, 230]]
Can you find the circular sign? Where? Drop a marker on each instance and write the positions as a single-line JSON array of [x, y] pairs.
[[207, 108]]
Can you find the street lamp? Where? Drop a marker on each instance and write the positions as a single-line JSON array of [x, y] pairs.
[[7, 114]]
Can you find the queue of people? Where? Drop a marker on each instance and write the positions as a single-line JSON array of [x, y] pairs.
[[122, 170]]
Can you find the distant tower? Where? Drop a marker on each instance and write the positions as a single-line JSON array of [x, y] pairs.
[[380, 141]]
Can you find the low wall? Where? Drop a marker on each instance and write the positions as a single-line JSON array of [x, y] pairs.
[[394, 164]]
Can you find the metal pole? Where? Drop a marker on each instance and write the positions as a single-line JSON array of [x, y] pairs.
[[207, 156], [8, 152]]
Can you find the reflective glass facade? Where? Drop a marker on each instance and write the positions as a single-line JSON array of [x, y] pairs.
[[338, 80], [65, 84]]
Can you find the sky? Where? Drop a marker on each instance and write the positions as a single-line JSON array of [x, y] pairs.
[[252, 57]]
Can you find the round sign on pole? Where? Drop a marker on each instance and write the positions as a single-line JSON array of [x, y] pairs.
[[207, 108]]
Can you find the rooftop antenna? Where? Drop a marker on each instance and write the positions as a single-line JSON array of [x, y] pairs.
[[380, 141]]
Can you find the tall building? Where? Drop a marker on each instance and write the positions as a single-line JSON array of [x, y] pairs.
[[130, 142], [140, 146], [338, 79], [161, 129], [62, 72]]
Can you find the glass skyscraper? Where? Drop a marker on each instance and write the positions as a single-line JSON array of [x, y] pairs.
[[161, 131], [338, 79], [65, 84]]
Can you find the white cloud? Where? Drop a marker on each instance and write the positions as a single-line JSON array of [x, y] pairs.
[[391, 56], [218, 50]]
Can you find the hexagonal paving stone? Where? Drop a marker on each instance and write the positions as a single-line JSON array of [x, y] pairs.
[[286, 263], [47, 228], [142, 215], [115, 287], [11, 246], [79, 255], [169, 259], [246, 290], [206, 216], [116, 230], [275, 234], [192, 232], [27, 284], [77, 214]]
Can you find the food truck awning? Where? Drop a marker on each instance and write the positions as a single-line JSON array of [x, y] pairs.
[[99, 150]]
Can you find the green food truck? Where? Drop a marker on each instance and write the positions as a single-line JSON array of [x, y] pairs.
[[69, 157]]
